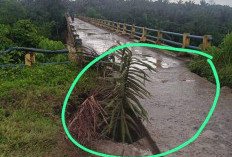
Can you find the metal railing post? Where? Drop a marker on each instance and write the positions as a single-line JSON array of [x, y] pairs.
[[105, 24], [186, 40], [29, 59], [108, 25], [78, 46], [118, 28], [159, 36], [112, 26], [100, 22], [206, 42], [132, 35], [143, 37], [124, 29], [97, 22]]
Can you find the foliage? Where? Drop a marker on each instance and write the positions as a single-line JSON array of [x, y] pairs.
[[91, 12], [28, 133], [11, 11], [222, 59], [5, 42], [85, 124], [5, 37], [51, 45], [121, 102], [46, 29], [198, 19], [48, 16], [30, 106], [25, 34]]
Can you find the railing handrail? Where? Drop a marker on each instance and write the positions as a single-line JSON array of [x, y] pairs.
[[163, 31], [34, 50], [172, 33], [147, 34]]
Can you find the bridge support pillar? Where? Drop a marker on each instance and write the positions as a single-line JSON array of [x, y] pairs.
[[112, 26], [132, 35], [105, 24], [159, 37], [144, 38], [124, 30], [118, 28], [206, 42], [186, 42], [102, 23], [108, 27], [97, 22], [29, 59]]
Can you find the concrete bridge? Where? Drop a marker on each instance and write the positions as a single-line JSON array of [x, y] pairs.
[[179, 104]]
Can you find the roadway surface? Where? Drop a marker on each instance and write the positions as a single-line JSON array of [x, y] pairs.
[[180, 100]]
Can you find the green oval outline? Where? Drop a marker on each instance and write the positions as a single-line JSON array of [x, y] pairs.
[[209, 57]]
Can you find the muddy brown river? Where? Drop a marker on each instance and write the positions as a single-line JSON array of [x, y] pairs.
[[179, 104]]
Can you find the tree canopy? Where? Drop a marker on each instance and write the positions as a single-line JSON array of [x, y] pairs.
[[199, 19], [11, 11]]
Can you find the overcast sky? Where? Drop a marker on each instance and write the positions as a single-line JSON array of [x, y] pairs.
[[222, 2]]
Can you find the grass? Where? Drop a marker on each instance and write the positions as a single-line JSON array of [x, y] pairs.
[[222, 58], [30, 106]]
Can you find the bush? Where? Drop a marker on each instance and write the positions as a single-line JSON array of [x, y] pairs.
[[30, 105], [11, 11], [222, 58], [51, 45], [24, 33]]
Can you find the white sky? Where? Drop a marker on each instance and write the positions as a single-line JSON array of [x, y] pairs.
[[222, 2]]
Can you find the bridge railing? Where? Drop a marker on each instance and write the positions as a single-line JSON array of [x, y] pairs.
[[74, 49], [30, 55], [153, 35]]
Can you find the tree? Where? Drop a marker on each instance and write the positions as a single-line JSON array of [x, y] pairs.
[[11, 11], [48, 16], [121, 102]]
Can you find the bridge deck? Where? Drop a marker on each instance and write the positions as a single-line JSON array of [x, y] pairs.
[[180, 100]]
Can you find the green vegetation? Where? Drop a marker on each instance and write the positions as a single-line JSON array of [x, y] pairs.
[[31, 97], [122, 103], [30, 106], [189, 17], [24, 34], [48, 16], [91, 12], [222, 58], [113, 110], [11, 11], [51, 45], [29, 23]]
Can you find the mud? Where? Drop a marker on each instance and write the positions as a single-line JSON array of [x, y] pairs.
[[179, 104]]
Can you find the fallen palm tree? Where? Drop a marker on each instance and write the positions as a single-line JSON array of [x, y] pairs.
[[117, 112], [84, 124]]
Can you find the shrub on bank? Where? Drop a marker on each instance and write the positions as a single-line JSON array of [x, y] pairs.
[[24, 34], [222, 58], [30, 106]]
